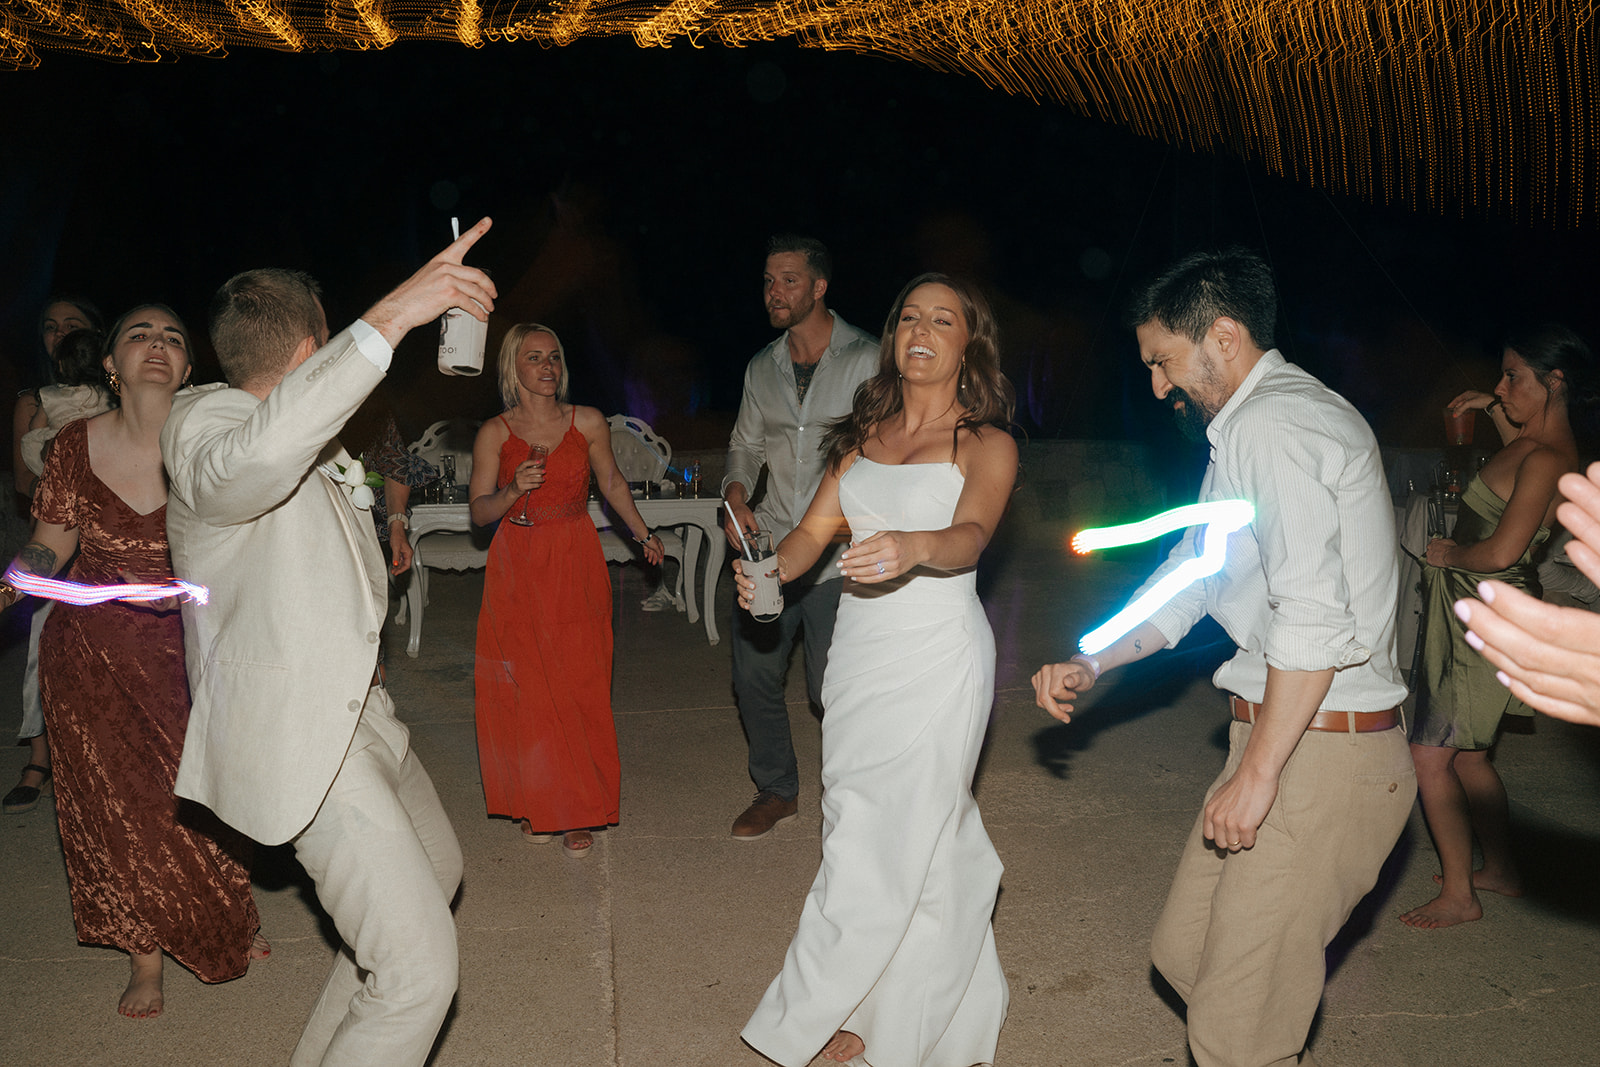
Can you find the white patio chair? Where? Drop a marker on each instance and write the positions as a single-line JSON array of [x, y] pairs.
[[642, 456], [447, 550]]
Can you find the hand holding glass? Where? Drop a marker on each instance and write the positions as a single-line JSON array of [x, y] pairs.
[[1458, 425], [536, 454], [761, 567]]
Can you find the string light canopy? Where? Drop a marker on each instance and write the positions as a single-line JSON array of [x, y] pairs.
[[1447, 105]]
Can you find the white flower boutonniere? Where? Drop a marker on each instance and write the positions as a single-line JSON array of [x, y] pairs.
[[357, 481]]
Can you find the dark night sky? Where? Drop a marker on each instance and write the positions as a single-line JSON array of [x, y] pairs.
[[633, 191]]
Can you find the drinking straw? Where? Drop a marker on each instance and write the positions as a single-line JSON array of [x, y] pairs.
[[744, 546]]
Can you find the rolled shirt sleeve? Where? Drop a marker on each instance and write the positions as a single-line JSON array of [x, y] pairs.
[[1311, 583], [1295, 469]]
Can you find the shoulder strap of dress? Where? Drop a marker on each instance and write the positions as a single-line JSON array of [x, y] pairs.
[[573, 425], [506, 421]]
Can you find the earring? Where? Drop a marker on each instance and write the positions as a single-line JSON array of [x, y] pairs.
[[114, 382]]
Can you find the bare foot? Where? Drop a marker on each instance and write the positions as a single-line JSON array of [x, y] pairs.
[[844, 1047], [260, 947], [577, 842], [142, 998], [1439, 913], [1507, 885]]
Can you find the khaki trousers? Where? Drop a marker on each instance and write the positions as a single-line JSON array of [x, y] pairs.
[[1242, 935], [386, 864]]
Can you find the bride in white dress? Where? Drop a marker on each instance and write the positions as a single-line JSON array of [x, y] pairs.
[[893, 963]]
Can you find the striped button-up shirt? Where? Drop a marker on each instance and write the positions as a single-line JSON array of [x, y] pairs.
[[1312, 582], [776, 429]]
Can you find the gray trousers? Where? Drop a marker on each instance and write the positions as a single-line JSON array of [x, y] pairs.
[[760, 661]]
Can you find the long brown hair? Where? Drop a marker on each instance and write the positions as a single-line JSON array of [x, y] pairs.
[[984, 393]]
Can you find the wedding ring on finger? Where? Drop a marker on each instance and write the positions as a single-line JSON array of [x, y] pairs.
[[880, 566]]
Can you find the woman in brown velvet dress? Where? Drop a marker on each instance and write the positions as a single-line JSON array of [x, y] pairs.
[[148, 873]]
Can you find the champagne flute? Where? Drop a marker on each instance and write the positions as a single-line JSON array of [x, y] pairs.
[[538, 453]]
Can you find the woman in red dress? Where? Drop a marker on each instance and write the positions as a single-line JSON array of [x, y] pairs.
[[148, 873], [547, 744]]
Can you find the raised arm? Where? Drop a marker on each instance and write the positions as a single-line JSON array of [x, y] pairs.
[[231, 457], [1490, 405], [442, 283], [1531, 495]]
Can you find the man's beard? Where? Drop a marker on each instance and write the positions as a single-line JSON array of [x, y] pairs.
[[785, 317], [1192, 418]]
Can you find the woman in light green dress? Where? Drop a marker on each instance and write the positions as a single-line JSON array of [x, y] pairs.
[[1506, 514]]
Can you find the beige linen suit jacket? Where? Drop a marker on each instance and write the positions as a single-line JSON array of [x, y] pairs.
[[282, 656]]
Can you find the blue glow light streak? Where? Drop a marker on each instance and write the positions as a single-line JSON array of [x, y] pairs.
[[83, 595], [1219, 517]]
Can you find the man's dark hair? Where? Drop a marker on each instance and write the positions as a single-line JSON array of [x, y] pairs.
[[1200, 288], [818, 261], [259, 318]]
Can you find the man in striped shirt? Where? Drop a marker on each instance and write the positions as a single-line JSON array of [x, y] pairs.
[[1318, 782]]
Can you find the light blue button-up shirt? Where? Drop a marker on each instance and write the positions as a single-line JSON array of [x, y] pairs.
[[1312, 582], [776, 429]]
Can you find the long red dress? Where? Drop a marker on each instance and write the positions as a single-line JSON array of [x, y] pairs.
[[547, 744], [147, 870]]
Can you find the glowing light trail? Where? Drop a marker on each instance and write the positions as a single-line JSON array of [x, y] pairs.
[[83, 595], [1219, 517]]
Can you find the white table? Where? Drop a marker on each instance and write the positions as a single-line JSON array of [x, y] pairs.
[[701, 517]]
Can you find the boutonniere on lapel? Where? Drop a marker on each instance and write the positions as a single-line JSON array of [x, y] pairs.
[[357, 482]]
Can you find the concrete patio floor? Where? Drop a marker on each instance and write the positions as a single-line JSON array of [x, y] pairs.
[[654, 949]]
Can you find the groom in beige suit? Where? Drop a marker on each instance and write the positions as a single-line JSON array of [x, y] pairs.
[[292, 736]]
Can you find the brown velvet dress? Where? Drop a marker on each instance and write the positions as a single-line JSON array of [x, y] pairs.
[[147, 870]]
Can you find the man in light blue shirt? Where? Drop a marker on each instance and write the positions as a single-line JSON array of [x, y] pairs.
[[793, 389], [1318, 782]]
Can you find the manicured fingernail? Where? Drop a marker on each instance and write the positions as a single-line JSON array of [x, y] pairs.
[[1500, 676], [1486, 592], [1463, 610], [1475, 641]]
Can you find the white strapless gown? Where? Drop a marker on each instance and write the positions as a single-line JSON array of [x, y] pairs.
[[895, 943]]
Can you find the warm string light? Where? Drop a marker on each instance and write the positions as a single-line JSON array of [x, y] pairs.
[[1443, 103]]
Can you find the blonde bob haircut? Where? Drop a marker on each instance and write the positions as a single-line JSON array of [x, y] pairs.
[[510, 390]]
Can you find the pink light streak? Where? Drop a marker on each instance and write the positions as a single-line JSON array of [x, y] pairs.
[[83, 595]]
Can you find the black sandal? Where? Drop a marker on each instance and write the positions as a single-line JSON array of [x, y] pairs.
[[24, 797]]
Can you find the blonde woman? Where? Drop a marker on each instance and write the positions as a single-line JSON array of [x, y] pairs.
[[547, 744]]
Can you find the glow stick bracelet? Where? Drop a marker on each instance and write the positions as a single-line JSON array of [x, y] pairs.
[[744, 545], [83, 595], [1219, 517]]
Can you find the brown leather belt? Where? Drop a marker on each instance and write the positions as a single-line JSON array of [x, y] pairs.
[[1339, 722]]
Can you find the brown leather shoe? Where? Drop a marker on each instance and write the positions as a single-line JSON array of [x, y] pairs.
[[767, 810]]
